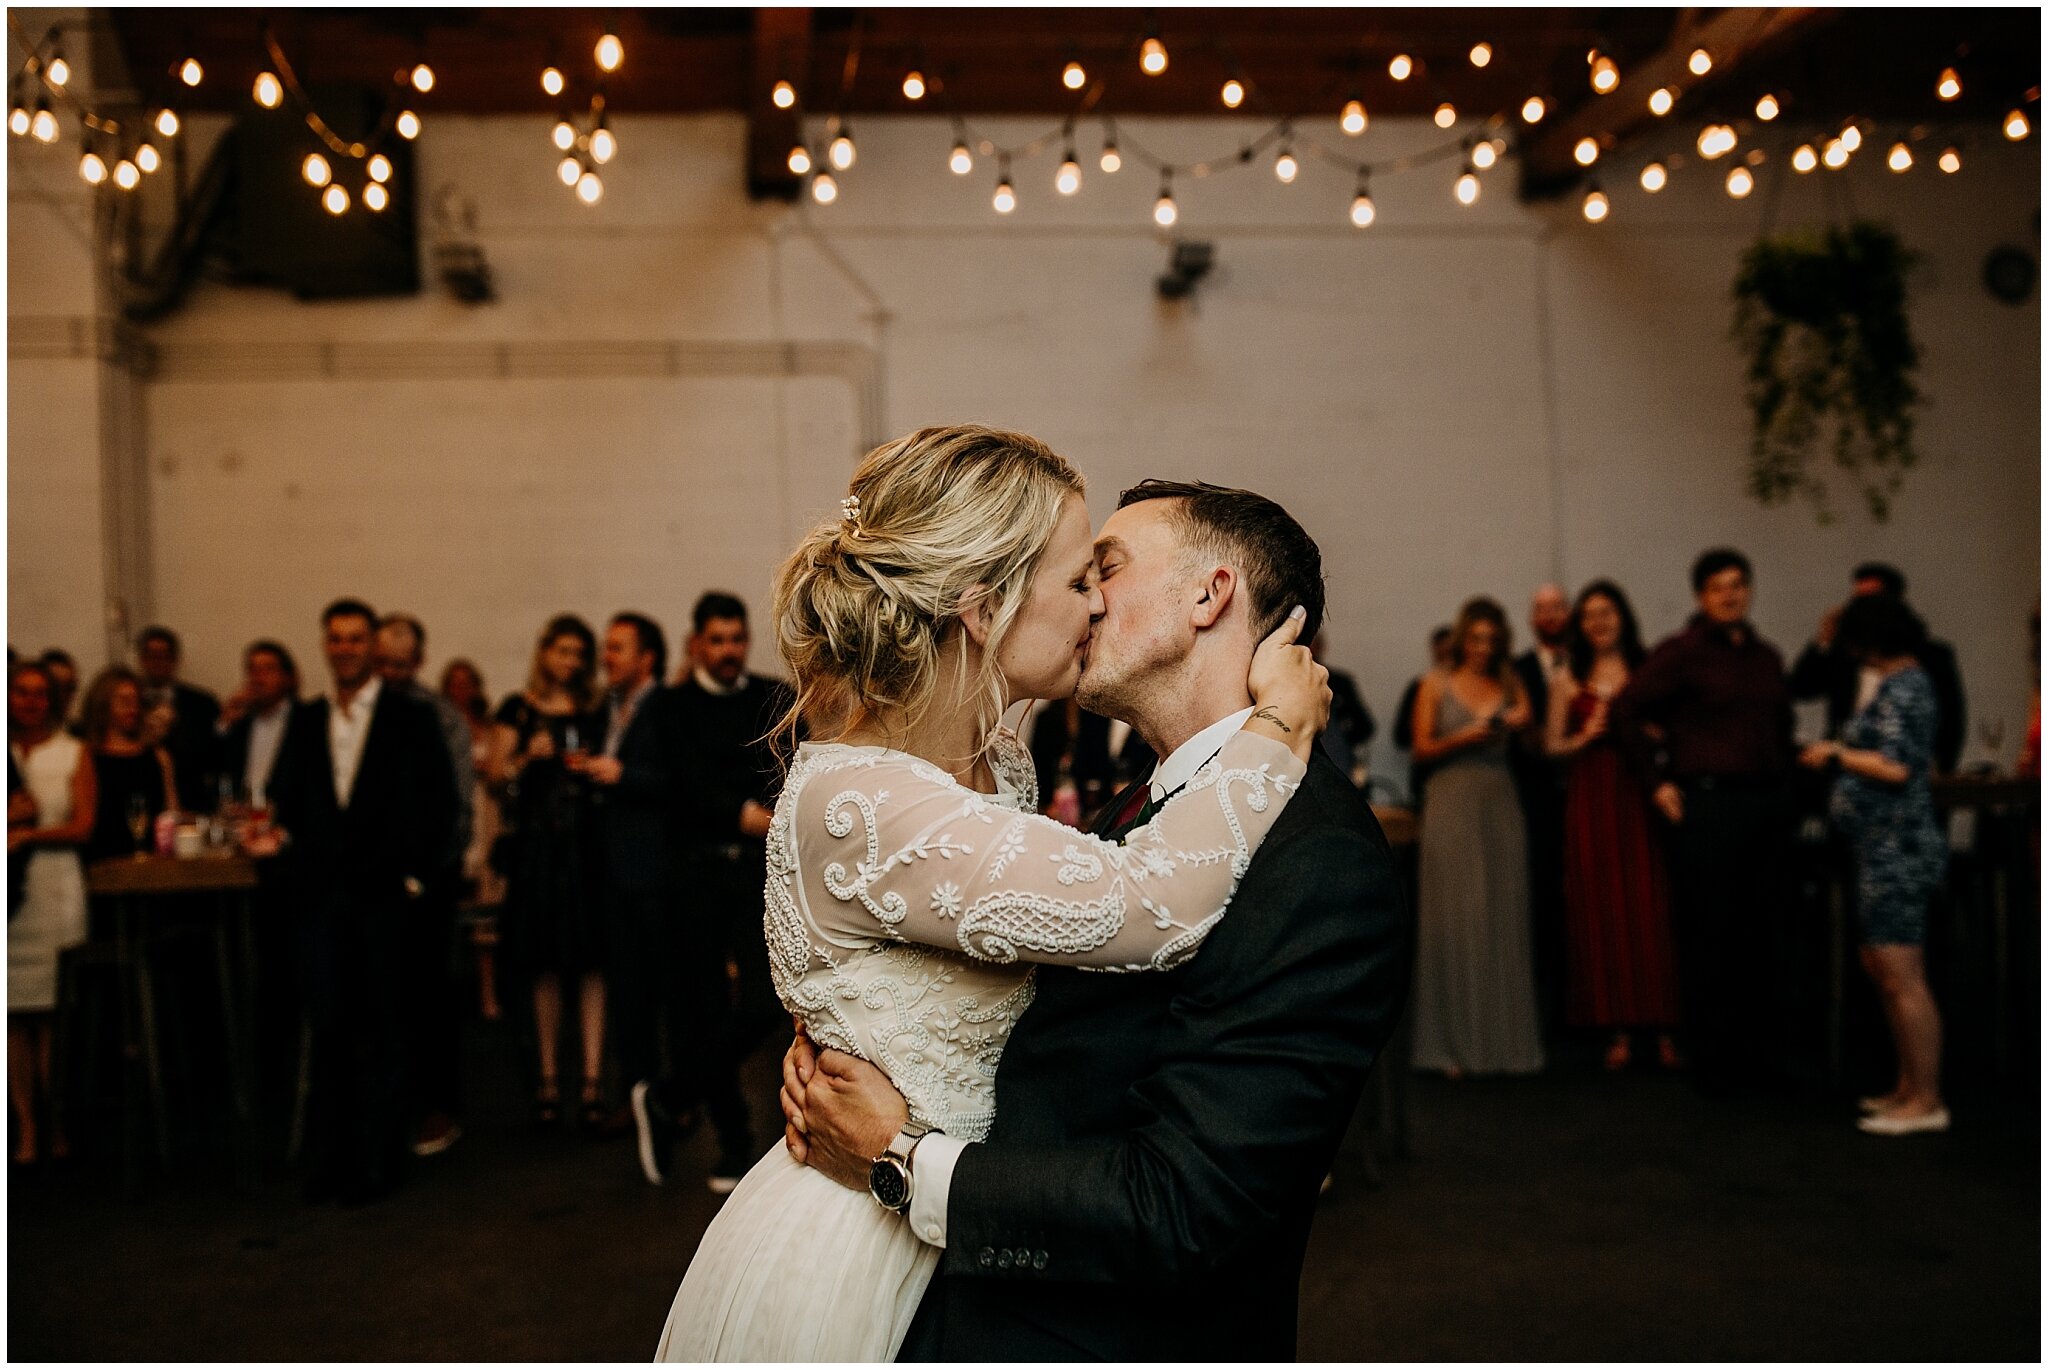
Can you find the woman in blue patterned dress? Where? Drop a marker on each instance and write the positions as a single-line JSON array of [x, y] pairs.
[[1883, 805]]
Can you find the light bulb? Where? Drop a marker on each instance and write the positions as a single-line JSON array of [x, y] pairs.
[[422, 78], [1112, 160], [1068, 180], [1661, 101], [1532, 109], [1852, 137], [1951, 161], [603, 146], [1900, 158], [1803, 158], [1446, 116], [2016, 126], [1586, 151], [569, 170], [1767, 107], [1834, 155], [58, 72], [408, 125], [565, 135], [43, 127], [1164, 211], [1700, 63], [610, 52], [913, 86], [1152, 57], [315, 170], [1468, 189], [1362, 211], [1233, 93], [379, 168], [269, 93], [1654, 177], [962, 161], [91, 169], [1286, 168], [375, 197], [1716, 140], [334, 200], [784, 95], [1605, 75], [1950, 85], [18, 121], [1481, 54], [1402, 67], [1354, 121], [841, 151], [1594, 206], [551, 81], [799, 160], [823, 188], [1484, 155], [191, 73], [167, 123], [589, 188], [1740, 182], [1073, 76], [126, 175], [1005, 197]]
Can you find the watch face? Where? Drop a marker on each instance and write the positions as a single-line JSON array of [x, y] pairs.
[[888, 1183]]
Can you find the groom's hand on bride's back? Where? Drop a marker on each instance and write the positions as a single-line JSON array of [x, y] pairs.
[[839, 1114]]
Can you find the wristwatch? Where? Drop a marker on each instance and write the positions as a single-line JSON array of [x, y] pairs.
[[889, 1174]]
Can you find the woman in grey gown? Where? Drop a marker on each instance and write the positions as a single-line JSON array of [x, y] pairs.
[[1475, 993]]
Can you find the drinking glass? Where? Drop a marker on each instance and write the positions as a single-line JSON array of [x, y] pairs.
[[138, 823]]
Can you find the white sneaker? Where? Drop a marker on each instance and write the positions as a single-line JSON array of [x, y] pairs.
[[1904, 1125]]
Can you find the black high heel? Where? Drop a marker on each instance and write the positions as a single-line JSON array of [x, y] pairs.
[[547, 1103]]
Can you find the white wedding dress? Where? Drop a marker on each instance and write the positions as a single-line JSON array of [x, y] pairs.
[[902, 910]]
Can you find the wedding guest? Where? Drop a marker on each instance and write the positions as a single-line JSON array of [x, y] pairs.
[[1707, 722], [551, 928], [1826, 670], [723, 716], [1617, 899], [63, 672], [1883, 804], [434, 1026], [57, 775], [462, 685], [1475, 998], [1404, 713], [365, 804], [1071, 755], [137, 777], [1539, 783], [1352, 725], [181, 716], [255, 718]]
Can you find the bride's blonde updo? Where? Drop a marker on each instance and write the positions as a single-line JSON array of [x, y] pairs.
[[868, 598]]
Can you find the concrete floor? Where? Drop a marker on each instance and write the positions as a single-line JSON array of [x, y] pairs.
[[1573, 1216]]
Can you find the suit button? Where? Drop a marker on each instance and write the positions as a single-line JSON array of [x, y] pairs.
[[1003, 1259], [1038, 1261], [987, 1258]]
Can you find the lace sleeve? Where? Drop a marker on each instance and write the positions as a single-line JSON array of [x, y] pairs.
[[895, 846]]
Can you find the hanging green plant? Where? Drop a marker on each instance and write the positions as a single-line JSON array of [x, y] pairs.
[[1831, 360]]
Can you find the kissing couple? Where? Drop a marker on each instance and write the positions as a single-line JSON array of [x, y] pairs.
[[1054, 1095]]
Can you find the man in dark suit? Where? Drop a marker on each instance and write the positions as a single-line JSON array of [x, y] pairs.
[[364, 799], [1160, 1140], [1539, 783], [1825, 672], [186, 714]]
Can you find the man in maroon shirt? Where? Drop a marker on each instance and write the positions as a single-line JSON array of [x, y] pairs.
[[1708, 722]]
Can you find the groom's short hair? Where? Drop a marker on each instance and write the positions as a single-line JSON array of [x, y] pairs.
[[1281, 564]]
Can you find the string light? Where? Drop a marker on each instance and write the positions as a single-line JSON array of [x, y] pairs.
[[1468, 187], [18, 119], [1767, 107], [268, 92], [1594, 206], [1716, 140], [1900, 158], [147, 157], [380, 168], [1112, 160], [1661, 101], [1700, 63], [841, 152], [1586, 151], [913, 86], [1362, 211], [569, 170], [590, 189], [1951, 161], [2016, 126], [610, 52], [315, 170], [1402, 67], [1233, 93], [91, 169], [1532, 109], [1485, 154], [1852, 137], [1446, 116], [1605, 75], [551, 81], [1654, 177], [603, 146], [58, 72], [962, 161], [1005, 199], [43, 127], [799, 160], [423, 78], [125, 174], [1354, 120], [1481, 54], [1804, 158], [1164, 211], [1834, 156], [1740, 182], [1152, 57], [1285, 168], [408, 125], [1073, 76], [1068, 179], [375, 197], [565, 135], [167, 123], [334, 200], [190, 72], [1950, 86], [784, 95]]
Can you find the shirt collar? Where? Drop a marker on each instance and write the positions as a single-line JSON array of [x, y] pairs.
[[710, 684], [365, 698], [632, 700], [1177, 770]]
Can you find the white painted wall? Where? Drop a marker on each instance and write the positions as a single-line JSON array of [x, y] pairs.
[[1454, 401]]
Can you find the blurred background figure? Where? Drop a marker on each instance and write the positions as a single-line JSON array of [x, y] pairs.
[[1440, 639], [1071, 756], [137, 775], [63, 673], [180, 716], [1539, 784], [255, 718], [462, 685], [1352, 726], [1827, 670]]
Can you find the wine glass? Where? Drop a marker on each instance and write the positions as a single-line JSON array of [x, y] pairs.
[[138, 823]]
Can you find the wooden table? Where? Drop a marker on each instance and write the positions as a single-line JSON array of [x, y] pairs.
[[137, 889]]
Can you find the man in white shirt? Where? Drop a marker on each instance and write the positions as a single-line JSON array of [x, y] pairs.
[[253, 719]]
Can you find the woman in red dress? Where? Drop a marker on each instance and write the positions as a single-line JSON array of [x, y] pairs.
[[1621, 972]]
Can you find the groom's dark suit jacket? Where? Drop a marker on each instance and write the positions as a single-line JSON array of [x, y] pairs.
[[1160, 1140]]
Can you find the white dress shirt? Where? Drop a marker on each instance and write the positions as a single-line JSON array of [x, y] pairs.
[[709, 683], [266, 735], [348, 725], [622, 718], [936, 1154]]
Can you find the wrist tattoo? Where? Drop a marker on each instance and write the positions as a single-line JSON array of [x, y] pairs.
[[1273, 719]]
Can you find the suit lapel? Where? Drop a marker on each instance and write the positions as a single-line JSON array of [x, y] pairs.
[[1105, 817]]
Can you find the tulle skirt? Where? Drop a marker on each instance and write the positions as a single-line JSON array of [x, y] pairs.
[[797, 1268]]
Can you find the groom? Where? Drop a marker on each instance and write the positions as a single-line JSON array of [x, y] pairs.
[[1160, 1140]]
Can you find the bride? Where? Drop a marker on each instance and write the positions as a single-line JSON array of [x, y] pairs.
[[911, 882]]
